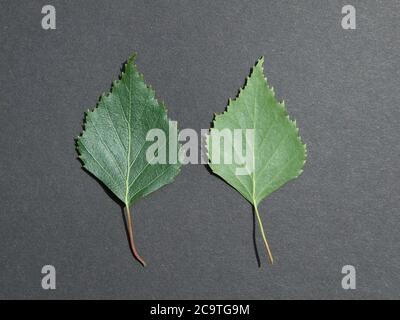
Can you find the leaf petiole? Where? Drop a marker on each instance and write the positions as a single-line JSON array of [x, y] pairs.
[[271, 259], [130, 233]]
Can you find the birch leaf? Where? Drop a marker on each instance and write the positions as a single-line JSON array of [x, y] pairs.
[[113, 144], [276, 151]]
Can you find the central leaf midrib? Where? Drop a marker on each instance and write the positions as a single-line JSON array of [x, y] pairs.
[[128, 157], [254, 145]]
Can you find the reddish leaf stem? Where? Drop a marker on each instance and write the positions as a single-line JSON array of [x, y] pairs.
[[130, 233]]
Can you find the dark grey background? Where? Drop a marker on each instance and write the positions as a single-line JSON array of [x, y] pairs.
[[196, 234]]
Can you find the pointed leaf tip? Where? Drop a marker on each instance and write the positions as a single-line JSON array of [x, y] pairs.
[[260, 62]]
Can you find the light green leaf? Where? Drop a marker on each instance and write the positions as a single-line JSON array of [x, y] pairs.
[[277, 153], [113, 144]]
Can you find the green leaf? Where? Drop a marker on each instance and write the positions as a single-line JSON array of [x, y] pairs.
[[277, 153], [113, 144]]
